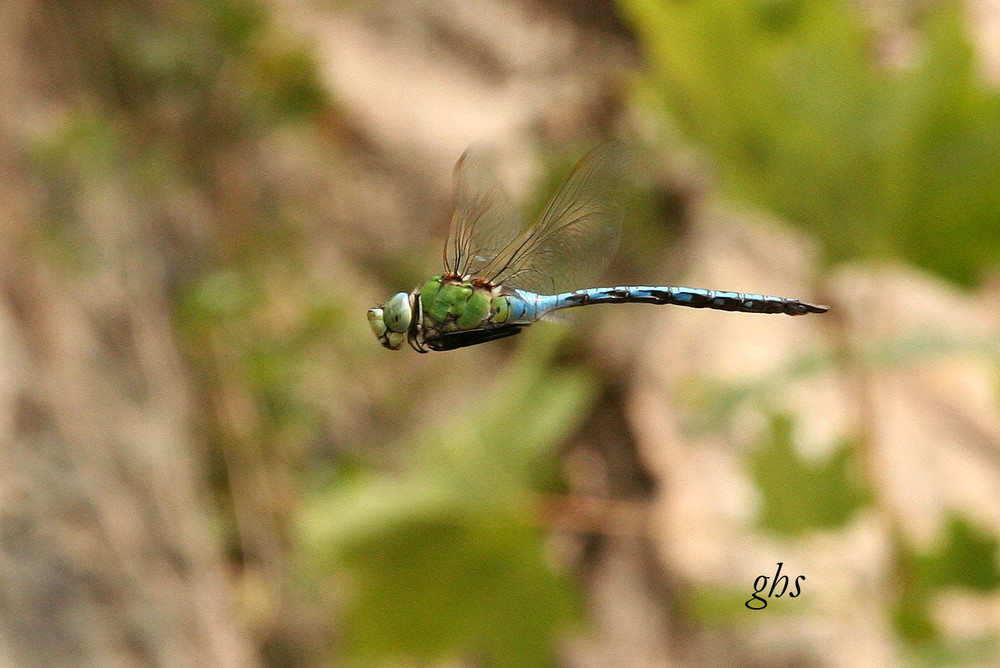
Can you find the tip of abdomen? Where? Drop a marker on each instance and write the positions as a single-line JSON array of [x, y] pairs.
[[814, 308]]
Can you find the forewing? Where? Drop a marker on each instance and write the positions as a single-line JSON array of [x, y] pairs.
[[485, 219], [577, 234]]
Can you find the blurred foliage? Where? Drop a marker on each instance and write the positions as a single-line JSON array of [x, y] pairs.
[[227, 44], [446, 556], [229, 317], [156, 167], [167, 100], [716, 403], [799, 495], [722, 607], [965, 559], [799, 118]]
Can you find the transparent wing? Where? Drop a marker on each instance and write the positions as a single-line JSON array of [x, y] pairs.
[[577, 234], [485, 219]]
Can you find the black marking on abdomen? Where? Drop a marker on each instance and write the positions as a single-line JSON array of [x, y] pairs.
[[721, 300]]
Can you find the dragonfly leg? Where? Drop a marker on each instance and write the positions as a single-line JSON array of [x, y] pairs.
[[470, 337]]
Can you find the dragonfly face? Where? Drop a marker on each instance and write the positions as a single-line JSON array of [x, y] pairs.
[[391, 321]]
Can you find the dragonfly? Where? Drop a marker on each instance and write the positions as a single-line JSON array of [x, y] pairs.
[[500, 277]]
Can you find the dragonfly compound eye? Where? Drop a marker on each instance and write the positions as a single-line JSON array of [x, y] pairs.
[[396, 312]]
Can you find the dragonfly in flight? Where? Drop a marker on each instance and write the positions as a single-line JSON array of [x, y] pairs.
[[499, 277]]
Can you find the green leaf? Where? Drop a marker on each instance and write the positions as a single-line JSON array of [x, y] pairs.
[[799, 117], [801, 496], [967, 559], [446, 559], [911, 616], [439, 589]]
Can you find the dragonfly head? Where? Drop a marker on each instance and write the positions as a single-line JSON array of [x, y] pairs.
[[391, 321]]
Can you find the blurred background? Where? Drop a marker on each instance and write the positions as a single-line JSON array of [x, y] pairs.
[[207, 459]]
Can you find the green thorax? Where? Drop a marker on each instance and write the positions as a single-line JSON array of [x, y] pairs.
[[451, 305]]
